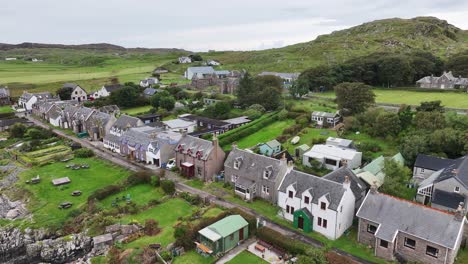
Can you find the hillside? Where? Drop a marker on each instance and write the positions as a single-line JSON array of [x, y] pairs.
[[390, 35]]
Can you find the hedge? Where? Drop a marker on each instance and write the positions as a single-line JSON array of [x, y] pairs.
[[278, 240], [246, 130]]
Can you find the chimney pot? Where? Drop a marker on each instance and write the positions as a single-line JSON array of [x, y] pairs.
[[460, 213], [373, 188]]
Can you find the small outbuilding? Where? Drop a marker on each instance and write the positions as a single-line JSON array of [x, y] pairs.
[[61, 181], [223, 235]]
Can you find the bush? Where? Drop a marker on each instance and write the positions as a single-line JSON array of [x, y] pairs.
[[166, 255], [282, 138], [151, 227], [271, 236], [369, 146], [155, 181], [83, 153], [283, 114], [168, 186], [139, 178], [102, 193]]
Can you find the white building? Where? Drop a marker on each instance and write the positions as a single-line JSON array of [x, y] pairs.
[[178, 125], [318, 204], [326, 118], [213, 63], [200, 72], [332, 157], [106, 90], [27, 99], [149, 82], [78, 94], [185, 60]]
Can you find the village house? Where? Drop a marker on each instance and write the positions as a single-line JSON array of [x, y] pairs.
[[237, 121], [445, 81], [106, 90], [149, 92], [199, 158], [205, 125], [178, 125], [426, 165], [78, 93], [332, 156], [358, 187], [110, 109], [253, 175], [149, 145], [373, 173], [149, 82], [446, 188], [318, 204], [199, 72], [119, 127], [4, 96], [185, 60], [213, 63], [326, 119], [270, 148], [223, 235], [149, 118], [402, 230], [98, 124], [288, 78], [27, 100]]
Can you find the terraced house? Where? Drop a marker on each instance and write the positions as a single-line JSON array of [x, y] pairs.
[[119, 127], [254, 175], [402, 230], [199, 158]]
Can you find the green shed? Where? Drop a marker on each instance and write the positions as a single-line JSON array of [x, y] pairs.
[[223, 235], [303, 219]]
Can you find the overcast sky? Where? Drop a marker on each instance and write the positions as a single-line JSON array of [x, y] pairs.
[[204, 24]]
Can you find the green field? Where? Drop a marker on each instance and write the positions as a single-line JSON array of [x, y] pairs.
[[139, 194], [45, 197], [265, 134], [136, 110], [246, 257], [193, 257], [449, 99], [5, 109]]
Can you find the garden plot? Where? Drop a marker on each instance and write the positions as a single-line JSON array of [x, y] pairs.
[[45, 155]]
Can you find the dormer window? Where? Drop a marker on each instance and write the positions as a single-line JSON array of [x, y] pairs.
[[290, 194], [306, 199], [457, 189], [236, 164], [323, 206], [199, 154], [267, 172]]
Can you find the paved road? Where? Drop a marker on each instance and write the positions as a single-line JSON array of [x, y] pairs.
[[180, 186]]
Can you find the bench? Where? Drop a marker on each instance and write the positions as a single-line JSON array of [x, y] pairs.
[[264, 244], [260, 248], [279, 251]]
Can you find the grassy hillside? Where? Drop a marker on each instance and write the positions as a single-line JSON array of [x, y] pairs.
[[91, 68]]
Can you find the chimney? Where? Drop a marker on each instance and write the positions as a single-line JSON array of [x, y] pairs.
[[234, 146], [460, 213], [183, 132], [373, 188], [347, 183], [283, 160]]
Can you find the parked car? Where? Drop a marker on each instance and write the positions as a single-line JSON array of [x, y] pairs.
[[170, 164]]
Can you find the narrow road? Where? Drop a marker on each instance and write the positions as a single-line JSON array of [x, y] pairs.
[[180, 186]]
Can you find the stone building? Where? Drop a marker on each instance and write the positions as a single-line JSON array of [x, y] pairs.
[[445, 81]]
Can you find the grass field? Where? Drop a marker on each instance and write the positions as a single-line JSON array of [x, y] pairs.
[[449, 99], [265, 134], [136, 110], [5, 109], [193, 257], [140, 194], [45, 197], [167, 214], [246, 257]]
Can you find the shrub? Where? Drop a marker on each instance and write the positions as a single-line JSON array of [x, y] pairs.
[[168, 186], [155, 181], [271, 236], [102, 193], [283, 114], [282, 138], [83, 153], [154, 202], [166, 255], [151, 227], [369, 146], [139, 178]]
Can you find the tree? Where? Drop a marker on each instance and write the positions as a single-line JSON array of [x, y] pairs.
[[429, 120], [167, 102], [387, 124], [431, 106], [35, 133], [312, 256], [155, 100], [447, 140], [64, 93], [299, 88], [219, 110], [18, 130], [395, 70], [354, 97], [316, 78], [196, 57], [458, 64], [396, 177], [245, 90], [263, 90], [168, 186], [412, 145], [125, 97], [405, 115], [269, 97]]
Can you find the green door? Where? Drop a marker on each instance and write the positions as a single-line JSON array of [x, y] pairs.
[[303, 220]]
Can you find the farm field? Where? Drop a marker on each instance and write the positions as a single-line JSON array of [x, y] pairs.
[[45, 197], [246, 257], [43, 156], [449, 99]]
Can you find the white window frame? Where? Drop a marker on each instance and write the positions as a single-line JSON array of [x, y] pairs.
[[457, 189], [234, 178]]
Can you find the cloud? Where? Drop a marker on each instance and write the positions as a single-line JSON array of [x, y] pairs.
[[204, 24]]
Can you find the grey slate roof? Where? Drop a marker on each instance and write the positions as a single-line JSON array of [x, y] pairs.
[[394, 215], [113, 87], [201, 69], [273, 144], [458, 170], [125, 121], [150, 91], [54, 114], [447, 199], [70, 85], [253, 165], [324, 114], [358, 187], [283, 75], [432, 162], [316, 186], [195, 145]]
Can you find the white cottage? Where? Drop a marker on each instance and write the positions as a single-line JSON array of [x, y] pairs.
[[317, 204]]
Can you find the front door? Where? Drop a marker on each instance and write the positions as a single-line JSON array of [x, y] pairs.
[[300, 222], [427, 200], [241, 234]]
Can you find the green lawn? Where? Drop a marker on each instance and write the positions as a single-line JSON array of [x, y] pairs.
[[167, 214], [246, 257], [6, 109], [45, 197], [213, 212], [462, 257], [306, 138], [192, 257], [136, 110], [266, 134], [449, 99], [140, 194]]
